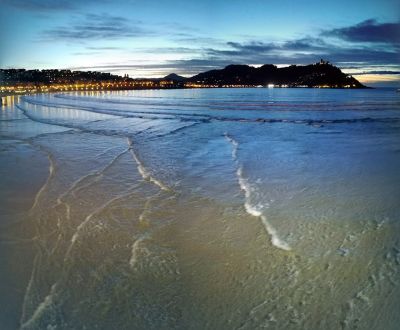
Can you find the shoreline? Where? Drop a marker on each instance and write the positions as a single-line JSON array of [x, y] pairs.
[[5, 96]]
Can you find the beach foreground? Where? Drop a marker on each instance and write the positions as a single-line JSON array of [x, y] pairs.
[[201, 209]]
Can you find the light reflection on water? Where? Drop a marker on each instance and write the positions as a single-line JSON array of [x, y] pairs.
[[145, 215]]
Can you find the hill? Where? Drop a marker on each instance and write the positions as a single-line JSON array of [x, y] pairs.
[[321, 74], [174, 77]]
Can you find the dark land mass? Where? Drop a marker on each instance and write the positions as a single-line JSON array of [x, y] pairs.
[[174, 77], [321, 74]]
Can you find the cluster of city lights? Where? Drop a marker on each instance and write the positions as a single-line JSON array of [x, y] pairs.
[[109, 85]]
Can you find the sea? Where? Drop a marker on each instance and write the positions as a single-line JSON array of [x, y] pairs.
[[258, 208]]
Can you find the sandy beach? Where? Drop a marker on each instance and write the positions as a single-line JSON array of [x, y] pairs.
[[172, 209]]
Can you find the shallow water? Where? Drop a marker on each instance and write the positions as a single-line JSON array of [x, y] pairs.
[[201, 209]]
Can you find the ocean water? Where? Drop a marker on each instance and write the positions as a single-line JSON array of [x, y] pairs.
[[201, 209]]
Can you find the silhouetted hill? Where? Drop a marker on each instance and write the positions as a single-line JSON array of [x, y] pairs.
[[174, 77], [321, 74]]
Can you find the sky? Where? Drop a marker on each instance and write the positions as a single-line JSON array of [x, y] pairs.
[[158, 37]]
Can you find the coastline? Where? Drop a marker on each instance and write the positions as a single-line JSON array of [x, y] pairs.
[[5, 97]]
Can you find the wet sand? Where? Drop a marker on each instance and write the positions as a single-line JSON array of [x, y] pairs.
[[171, 210]]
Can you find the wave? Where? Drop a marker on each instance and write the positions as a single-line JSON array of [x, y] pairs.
[[178, 130], [43, 121], [173, 115], [256, 211], [116, 112], [89, 128], [146, 175], [252, 209], [225, 105]]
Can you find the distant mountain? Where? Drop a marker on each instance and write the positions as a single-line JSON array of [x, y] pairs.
[[321, 74], [174, 77]]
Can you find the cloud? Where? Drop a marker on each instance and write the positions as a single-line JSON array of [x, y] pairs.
[[103, 48], [368, 31], [107, 27], [297, 51], [379, 72], [367, 43], [46, 5], [186, 67], [187, 38], [301, 51], [96, 27], [303, 44]]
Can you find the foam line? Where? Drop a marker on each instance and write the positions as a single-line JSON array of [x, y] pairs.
[[235, 146], [48, 301], [134, 250], [146, 175], [42, 189], [28, 290], [254, 210]]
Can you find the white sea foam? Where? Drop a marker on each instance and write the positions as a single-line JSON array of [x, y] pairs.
[[278, 242], [254, 209], [51, 173], [28, 291], [146, 175], [135, 250], [235, 146], [40, 310]]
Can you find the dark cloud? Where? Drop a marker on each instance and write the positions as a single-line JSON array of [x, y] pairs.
[[258, 48], [368, 31], [301, 51], [108, 27], [305, 44], [47, 5], [96, 27], [366, 55], [250, 47], [384, 72], [168, 50]]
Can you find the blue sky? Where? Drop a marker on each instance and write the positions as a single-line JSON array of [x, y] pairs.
[[154, 38]]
